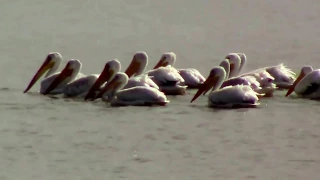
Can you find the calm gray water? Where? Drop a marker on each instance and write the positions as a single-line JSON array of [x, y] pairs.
[[44, 138]]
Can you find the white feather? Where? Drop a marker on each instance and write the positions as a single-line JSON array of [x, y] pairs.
[[192, 77], [80, 87], [236, 95]]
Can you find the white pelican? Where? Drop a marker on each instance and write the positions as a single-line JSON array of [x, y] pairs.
[[307, 85], [80, 87], [136, 68], [168, 80], [246, 80], [227, 97], [134, 71], [109, 71], [265, 80], [234, 81], [67, 75], [135, 96], [192, 77], [282, 76], [50, 64]]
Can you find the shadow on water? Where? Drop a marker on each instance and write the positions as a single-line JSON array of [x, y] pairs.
[[299, 100], [5, 89], [206, 108]]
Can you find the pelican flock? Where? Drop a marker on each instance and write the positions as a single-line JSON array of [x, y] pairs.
[[227, 85]]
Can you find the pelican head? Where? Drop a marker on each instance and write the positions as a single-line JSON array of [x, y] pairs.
[[112, 87], [215, 80], [69, 73], [51, 63], [166, 59], [138, 64], [304, 71], [243, 61], [234, 60], [109, 72], [226, 66]]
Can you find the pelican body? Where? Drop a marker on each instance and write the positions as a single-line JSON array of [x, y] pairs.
[[135, 96], [228, 97], [192, 77], [307, 85]]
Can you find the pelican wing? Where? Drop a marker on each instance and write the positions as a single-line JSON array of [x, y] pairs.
[[263, 77], [139, 96], [142, 80], [309, 84], [312, 87], [81, 86], [192, 77], [145, 78], [282, 75], [235, 81], [239, 94], [146, 94], [165, 76], [134, 82]]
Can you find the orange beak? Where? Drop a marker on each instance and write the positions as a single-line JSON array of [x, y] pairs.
[[64, 74], [133, 67], [105, 76], [161, 63], [47, 64], [291, 89], [114, 83], [206, 86]]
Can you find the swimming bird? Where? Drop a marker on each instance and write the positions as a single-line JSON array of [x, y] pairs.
[[81, 86], [50, 65], [265, 80], [227, 97], [135, 96], [67, 75], [167, 79], [109, 71], [307, 85], [192, 77], [282, 76], [135, 71], [246, 80]]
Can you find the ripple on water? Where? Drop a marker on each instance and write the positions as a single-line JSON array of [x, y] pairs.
[[150, 137], [5, 89], [180, 137], [141, 159], [119, 169]]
